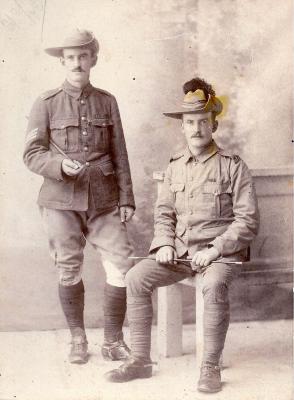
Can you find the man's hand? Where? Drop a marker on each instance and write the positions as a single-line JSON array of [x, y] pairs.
[[71, 168], [166, 255], [126, 213], [204, 257]]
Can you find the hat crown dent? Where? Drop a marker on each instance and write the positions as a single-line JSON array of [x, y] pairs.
[[195, 100], [78, 38], [75, 39]]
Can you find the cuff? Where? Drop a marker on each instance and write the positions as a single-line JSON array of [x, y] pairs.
[[57, 169], [126, 199], [160, 242], [218, 244]]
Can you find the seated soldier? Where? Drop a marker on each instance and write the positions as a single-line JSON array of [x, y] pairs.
[[206, 211]]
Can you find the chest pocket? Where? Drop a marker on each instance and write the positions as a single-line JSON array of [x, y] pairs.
[[224, 202], [101, 129], [65, 133], [178, 190], [219, 197]]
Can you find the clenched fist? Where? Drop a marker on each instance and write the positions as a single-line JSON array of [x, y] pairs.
[[166, 255], [203, 258], [126, 213], [71, 167]]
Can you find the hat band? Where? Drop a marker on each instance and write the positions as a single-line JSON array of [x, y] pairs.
[[197, 105]]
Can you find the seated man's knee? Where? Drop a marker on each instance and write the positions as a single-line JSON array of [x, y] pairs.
[[135, 280], [215, 291]]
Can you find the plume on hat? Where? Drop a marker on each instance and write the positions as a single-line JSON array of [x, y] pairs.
[[197, 83]]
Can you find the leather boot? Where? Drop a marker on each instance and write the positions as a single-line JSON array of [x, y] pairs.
[[130, 370], [114, 351], [79, 348], [210, 378]]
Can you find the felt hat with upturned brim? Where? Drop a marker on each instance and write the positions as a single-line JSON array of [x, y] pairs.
[[77, 38], [196, 102]]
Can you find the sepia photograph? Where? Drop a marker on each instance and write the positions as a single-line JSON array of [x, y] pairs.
[[146, 200]]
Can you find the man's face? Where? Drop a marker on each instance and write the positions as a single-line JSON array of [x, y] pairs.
[[78, 63], [197, 129]]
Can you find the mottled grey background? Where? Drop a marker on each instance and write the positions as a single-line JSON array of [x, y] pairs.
[[148, 50]]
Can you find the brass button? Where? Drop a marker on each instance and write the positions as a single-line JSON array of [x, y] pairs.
[[191, 195], [85, 133], [86, 148], [190, 212], [87, 163], [190, 228], [62, 126], [82, 101], [84, 118], [104, 124]]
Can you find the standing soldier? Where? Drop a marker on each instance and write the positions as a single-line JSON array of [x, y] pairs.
[[207, 211], [76, 142]]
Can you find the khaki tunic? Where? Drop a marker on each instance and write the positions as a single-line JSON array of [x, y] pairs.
[[206, 201], [86, 125]]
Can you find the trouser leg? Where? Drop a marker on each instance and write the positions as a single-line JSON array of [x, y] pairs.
[[66, 245], [216, 281], [141, 281], [109, 236]]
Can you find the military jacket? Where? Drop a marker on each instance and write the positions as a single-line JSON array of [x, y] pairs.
[[85, 124], [206, 201]]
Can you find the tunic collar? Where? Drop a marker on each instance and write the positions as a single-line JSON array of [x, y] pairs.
[[77, 92], [207, 152]]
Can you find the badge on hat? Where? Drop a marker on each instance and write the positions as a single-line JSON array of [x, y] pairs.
[[199, 98]]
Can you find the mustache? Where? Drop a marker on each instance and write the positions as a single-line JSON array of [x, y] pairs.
[[198, 134], [78, 69]]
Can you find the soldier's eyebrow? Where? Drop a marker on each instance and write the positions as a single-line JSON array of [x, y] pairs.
[[196, 121], [78, 55]]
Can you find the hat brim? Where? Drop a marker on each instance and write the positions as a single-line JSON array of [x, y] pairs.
[[54, 51], [213, 105], [57, 50]]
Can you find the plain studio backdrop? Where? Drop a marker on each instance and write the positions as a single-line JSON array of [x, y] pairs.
[[148, 50]]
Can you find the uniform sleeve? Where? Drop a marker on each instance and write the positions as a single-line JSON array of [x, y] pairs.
[[120, 159], [245, 226], [37, 156], [164, 216]]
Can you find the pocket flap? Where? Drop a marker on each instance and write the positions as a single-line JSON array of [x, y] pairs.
[[64, 123], [102, 122], [217, 188], [224, 187], [177, 187], [212, 188], [107, 169]]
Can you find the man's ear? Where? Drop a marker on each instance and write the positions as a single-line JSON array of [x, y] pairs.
[[214, 125], [61, 59]]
